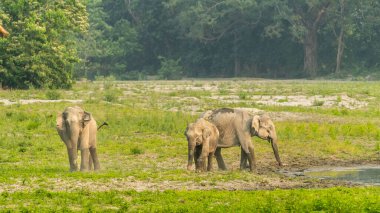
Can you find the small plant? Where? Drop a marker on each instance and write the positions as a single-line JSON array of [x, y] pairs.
[[223, 91], [112, 95], [33, 125], [53, 95], [283, 100], [243, 95], [136, 151], [318, 102]]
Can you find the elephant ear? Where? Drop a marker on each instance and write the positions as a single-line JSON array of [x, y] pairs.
[[86, 118], [255, 123], [59, 122]]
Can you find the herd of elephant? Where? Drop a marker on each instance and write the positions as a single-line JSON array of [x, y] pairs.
[[213, 130]]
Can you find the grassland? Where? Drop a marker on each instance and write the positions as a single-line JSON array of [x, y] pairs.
[[143, 151]]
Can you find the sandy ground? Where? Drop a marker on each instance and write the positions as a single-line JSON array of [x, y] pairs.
[[7, 102]]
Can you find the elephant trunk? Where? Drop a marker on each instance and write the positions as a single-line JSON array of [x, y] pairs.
[[72, 144], [191, 156], [273, 141]]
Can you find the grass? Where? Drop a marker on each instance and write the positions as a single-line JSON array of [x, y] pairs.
[[304, 200], [144, 144]]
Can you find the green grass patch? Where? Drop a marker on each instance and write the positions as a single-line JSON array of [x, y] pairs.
[[144, 141], [301, 200]]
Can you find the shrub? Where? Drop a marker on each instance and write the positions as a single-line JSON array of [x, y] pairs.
[[136, 151], [170, 69], [53, 95]]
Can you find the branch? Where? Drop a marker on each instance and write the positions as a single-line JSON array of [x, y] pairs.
[[128, 4], [320, 14]]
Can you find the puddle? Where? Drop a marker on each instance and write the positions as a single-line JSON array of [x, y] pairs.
[[364, 174]]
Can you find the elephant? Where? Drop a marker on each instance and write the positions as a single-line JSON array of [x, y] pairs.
[[202, 137], [77, 129], [3, 32], [236, 127]]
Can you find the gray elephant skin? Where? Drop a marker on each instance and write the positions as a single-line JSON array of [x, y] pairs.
[[236, 127], [202, 137], [77, 129]]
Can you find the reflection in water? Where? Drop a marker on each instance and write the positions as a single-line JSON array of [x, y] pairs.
[[367, 175]]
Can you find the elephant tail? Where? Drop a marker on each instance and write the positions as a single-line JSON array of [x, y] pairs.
[[103, 124]]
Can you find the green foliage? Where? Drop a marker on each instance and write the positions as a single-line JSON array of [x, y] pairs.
[[170, 69], [318, 102], [40, 52]]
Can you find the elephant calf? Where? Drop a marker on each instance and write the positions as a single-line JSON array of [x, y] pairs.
[[77, 129], [202, 137]]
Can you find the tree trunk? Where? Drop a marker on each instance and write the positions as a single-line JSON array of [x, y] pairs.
[[339, 54], [340, 51], [236, 57], [310, 47]]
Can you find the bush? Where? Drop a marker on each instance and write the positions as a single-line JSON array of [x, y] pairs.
[[136, 151], [112, 95], [53, 95], [170, 69]]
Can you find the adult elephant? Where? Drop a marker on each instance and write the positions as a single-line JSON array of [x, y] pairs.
[[236, 127], [77, 129]]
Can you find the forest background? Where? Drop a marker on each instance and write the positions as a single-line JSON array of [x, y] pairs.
[[54, 43]]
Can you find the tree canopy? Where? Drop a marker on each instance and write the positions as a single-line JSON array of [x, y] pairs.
[[40, 52], [52, 43]]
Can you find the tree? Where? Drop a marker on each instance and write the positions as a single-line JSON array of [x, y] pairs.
[[108, 45], [305, 18], [211, 21], [40, 52]]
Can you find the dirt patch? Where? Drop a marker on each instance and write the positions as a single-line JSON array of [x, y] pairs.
[[7, 102], [307, 101], [129, 183], [297, 100]]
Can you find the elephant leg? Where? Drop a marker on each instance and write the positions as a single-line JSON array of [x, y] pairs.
[[251, 158], [90, 161], [197, 154], [247, 147], [202, 160], [209, 161], [243, 160], [94, 159], [219, 159], [73, 156], [84, 159]]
